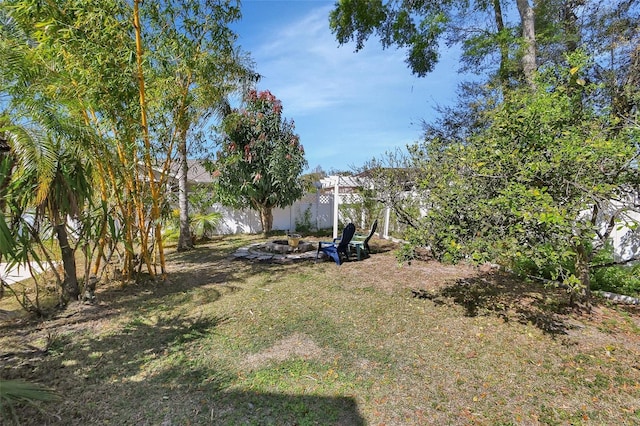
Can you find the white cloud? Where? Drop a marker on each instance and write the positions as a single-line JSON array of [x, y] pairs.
[[303, 64], [348, 107]]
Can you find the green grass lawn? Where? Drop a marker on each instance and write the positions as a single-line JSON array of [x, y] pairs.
[[228, 342]]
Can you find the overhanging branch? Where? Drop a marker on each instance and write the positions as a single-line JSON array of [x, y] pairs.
[[619, 263]]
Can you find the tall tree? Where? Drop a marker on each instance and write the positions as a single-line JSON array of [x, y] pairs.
[[535, 186], [260, 159], [518, 173], [197, 67], [611, 33], [68, 192], [49, 174], [529, 59], [46, 167], [83, 56]]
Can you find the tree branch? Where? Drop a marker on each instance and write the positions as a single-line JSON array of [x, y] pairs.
[[619, 263]]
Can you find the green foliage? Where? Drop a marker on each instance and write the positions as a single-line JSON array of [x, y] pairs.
[[309, 180], [260, 159], [6, 239], [303, 223], [620, 279], [201, 198], [414, 25], [392, 182], [72, 62], [204, 225], [524, 188], [7, 242], [196, 67], [51, 177], [406, 253]]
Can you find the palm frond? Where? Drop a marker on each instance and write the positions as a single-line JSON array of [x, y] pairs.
[[17, 391], [35, 152]]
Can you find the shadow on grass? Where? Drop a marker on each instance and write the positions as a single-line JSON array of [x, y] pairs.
[[507, 297], [236, 407], [132, 403], [155, 368], [158, 371], [207, 270]]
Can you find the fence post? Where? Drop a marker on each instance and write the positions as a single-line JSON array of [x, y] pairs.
[[387, 213], [336, 201]]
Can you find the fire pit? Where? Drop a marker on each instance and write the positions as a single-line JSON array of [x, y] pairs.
[[291, 249], [287, 246]]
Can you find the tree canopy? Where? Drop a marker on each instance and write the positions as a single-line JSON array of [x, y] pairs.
[[537, 164], [260, 159]]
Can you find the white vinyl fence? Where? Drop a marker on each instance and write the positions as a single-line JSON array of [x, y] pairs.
[[314, 210]]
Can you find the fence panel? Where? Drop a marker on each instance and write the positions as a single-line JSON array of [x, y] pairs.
[[313, 211]]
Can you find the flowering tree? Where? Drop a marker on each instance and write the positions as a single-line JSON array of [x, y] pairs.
[[260, 158]]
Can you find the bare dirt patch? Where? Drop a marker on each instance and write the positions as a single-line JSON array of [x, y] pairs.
[[383, 271], [295, 346]]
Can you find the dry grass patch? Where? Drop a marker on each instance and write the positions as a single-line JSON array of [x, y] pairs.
[[295, 346]]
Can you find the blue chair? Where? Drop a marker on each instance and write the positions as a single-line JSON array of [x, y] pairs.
[[339, 246]]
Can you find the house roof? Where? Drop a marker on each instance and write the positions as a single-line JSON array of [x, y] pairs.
[[196, 173]]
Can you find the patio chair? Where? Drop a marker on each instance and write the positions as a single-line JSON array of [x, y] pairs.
[[361, 242], [339, 246]]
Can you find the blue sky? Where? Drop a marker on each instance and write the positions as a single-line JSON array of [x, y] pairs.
[[348, 107]]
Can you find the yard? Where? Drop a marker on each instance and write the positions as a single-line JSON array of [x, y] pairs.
[[226, 341]]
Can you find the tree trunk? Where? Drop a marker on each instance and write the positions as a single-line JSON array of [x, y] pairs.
[[266, 219], [5, 178], [570, 24], [70, 288], [529, 62], [184, 242], [582, 273], [503, 71], [6, 167], [153, 186]]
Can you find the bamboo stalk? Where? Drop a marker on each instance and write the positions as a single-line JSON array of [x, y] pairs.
[[155, 210]]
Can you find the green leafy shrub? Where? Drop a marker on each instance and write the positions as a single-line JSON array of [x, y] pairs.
[[303, 223], [406, 253], [618, 279], [204, 225], [621, 279]]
